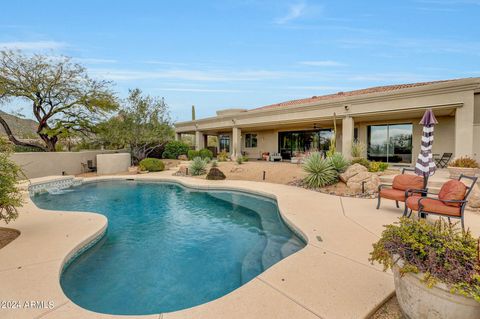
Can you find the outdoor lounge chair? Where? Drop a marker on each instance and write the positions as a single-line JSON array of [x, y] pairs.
[[450, 201], [401, 186], [442, 162]]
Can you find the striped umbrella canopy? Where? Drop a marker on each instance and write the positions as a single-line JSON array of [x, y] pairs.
[[425, 164]]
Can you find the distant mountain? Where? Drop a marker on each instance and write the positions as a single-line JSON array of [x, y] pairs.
[[21, 128]]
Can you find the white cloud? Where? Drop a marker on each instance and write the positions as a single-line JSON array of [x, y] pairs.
[[32, 45], [322, 63], [295, 11], [188, 75]]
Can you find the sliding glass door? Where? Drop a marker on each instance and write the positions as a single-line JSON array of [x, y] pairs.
[[391, 143], [292, 142]]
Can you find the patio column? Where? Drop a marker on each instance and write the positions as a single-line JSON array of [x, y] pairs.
[[236, 142], [178, 136], [464, 129], [347, 136], [199, 140]]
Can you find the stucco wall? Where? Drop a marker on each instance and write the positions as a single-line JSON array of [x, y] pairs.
[[113, 163], [39, 164]]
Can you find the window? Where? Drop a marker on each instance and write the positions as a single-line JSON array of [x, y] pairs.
[[390, 143], [250, 140], [224, 143]]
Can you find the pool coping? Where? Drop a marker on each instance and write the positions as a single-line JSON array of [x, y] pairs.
[[291, 301]]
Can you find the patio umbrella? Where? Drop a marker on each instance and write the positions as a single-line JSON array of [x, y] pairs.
[[425, 165]]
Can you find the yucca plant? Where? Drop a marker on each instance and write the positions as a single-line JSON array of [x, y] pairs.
[[320, 171], [198, 166], [338, 162]]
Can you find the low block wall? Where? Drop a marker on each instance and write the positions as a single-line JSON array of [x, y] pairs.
[[113, 163], [40, 164]]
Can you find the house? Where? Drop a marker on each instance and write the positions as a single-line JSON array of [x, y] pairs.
[[385, 118]]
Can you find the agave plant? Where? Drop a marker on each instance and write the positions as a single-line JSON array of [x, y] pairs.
[[198, 166], [320, 171], [338, 162]]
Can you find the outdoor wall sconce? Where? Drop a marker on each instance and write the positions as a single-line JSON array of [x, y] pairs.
[[347, 107]]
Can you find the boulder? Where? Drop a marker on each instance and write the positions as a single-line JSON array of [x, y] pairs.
[[183, 157], [371, 180], [182, 170], [351, 171], [474, 198], [215, 174]]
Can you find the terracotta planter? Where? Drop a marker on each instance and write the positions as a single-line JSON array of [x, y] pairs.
[[419, 301], [456, 171]]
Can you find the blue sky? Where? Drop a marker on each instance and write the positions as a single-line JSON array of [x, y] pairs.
[[246, 53]]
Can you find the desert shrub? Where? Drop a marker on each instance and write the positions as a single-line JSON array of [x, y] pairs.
[[440, 251], [245, 158], [174, 149], [377, 166], [214, 163], [240, 159], [358, 148], [151, 165], [10, 195], [192, 154], [215, 174], [205, 153], [362, 161], [320, 171], [222, 156], [22, 149], [338, 162], [198, 166], [465, 161]]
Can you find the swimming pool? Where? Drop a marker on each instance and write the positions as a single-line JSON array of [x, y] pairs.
[[168, 247]]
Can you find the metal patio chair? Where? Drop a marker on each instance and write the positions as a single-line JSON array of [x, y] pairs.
[[450, 201], [442, 162]]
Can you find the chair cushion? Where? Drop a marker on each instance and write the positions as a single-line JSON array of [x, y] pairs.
[[407, 181], [453, 190], [394, 194], [433, 206]]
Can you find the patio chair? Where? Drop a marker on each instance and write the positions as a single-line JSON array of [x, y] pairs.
[[90, 166], [275, 157], [401, 186], [442, 162], [450, 201]]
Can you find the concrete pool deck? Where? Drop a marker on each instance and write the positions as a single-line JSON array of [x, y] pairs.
[[330, 278]]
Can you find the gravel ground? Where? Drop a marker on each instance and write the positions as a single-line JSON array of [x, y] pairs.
[[390, 310]]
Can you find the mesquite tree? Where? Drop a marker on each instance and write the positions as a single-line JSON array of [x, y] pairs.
[[64, 99], [142, 125]]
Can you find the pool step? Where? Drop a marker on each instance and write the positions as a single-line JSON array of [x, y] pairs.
[[251, 264]]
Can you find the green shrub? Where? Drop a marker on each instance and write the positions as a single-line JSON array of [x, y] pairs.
[[338, 162], [198, 166], [440, 251], [358, 148], [245, 158], [151, 165], [320, 171], [10, 195], [22, 149], [174, 149], [362, 161], [222, 156], [214, 163], [465, 162], [205, 153], [378, 166], [192, 154], [239, 160]]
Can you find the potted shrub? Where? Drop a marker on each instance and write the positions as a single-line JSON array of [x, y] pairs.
[[463, 165], [435, 266]]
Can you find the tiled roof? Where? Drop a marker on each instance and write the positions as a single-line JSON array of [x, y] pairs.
[[376, 89]]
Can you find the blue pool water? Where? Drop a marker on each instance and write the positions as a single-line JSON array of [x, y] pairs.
[[167, 247]]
